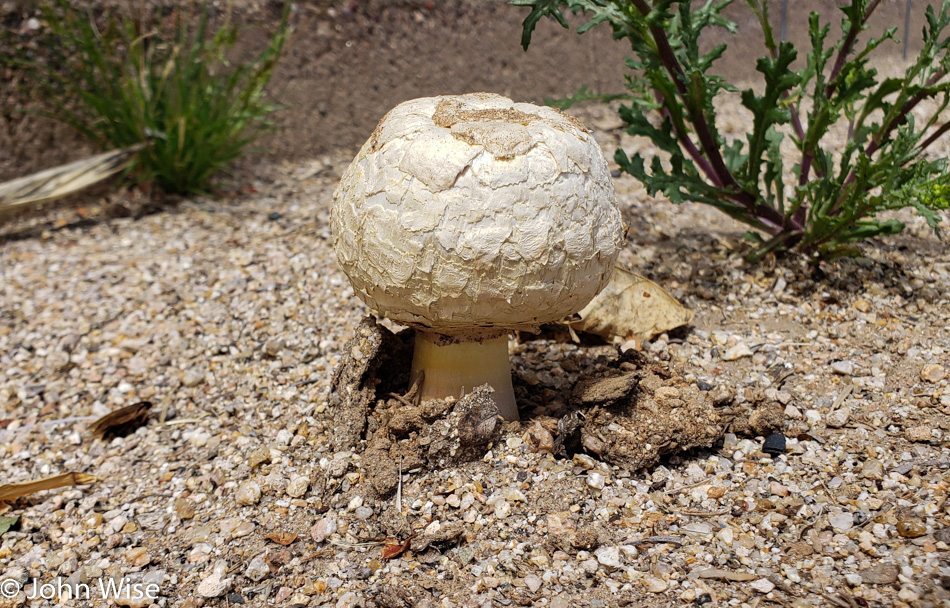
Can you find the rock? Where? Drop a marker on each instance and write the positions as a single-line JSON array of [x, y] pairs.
[[778, 489], [872, 469], [838, 418], [138, 556], [596, 480], [933, 373], [184, 508], [609, 557], [257, 570], [560, 602], [298, 486], [258, 457], [323, 528], [880, 574], [911, 528], [654, 584], [248, 493], [843, 368], [942, 535], [533, 582], [842, 522], [920, 434], [737, 351], [193, 377], [215, 585], [793, 412], [763, 585], [774, 444]]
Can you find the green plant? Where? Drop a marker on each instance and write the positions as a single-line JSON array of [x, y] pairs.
[[132, 80], [836, 195]]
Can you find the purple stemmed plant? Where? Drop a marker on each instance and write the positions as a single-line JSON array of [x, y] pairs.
[[830, 199]]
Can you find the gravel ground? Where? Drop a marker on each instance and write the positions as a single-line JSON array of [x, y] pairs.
[[230, 315]]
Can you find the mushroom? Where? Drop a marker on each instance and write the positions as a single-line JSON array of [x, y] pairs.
[[467, 217]]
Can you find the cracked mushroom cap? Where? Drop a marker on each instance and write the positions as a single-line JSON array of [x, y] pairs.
[[475, 211]]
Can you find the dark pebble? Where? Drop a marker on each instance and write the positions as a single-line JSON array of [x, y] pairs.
[[235, 598], [704, 386], [774, 444], [703, 600], [274, 216], [615, 173]]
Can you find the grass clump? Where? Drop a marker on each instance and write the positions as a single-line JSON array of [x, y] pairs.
[[830, 199], [157, 77]]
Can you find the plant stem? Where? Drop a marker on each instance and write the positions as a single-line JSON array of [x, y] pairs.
[[846, 47], [933, 137]]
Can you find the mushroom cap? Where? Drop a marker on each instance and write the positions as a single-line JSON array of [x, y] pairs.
[[473, 211]]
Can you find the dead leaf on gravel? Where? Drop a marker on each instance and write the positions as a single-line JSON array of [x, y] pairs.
[[121, 421], [631, 307], [11, 491], [396, 548], [726, 575], [282, 538]]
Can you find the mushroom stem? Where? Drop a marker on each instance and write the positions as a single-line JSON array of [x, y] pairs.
[[454, 365]]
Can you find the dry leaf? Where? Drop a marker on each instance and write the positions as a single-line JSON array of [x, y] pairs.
[[631, 307], [13, 491], [122, 421], [61, 181], [282, 538], [726, 575], [396, 549]]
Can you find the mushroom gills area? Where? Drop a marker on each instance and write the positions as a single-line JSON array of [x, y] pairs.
[[454, 366]]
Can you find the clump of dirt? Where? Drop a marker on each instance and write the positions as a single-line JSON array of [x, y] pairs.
[[622, 412]]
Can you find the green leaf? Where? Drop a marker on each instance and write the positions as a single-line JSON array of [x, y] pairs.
[[7, 522]]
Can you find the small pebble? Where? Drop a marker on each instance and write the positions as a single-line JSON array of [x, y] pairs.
[[257, 570], [596, 480], [843, 368], [880, 574], [533, 582], [838, 418], [763, 585], [248, 493], [911, 528], [608, 557], [842, 522], [193, 377], [919, 434], [933, 373], [184, 508], [216, 584], [654, 584], [737, 352], [774, 444], [323, 528], [872, 469], [258, 457], [298, 486]]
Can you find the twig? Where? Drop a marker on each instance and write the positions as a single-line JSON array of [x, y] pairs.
[[693, 513], [399, 489], [842, 396], [675, 540]]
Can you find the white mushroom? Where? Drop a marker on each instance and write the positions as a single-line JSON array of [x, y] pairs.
[[470, 216]]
